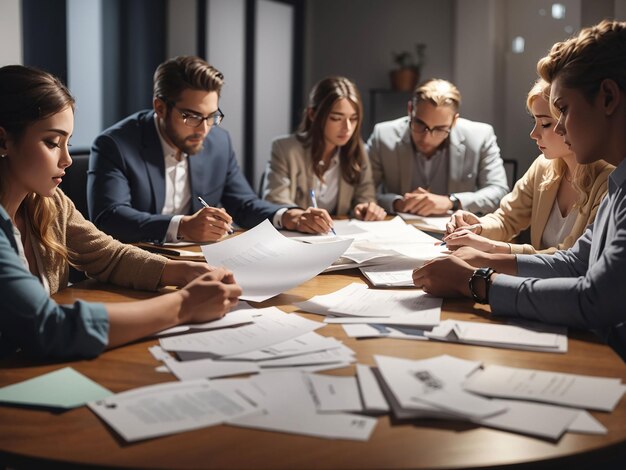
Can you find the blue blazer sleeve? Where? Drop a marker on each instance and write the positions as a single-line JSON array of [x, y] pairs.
[[30, 320]]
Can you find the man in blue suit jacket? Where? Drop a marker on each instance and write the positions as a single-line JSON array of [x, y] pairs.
[[147, 172]]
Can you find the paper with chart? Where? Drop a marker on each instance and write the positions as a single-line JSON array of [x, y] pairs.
[[547, 338], [434, 385], [581, 391], [265, 263], [273, 326], [159, 410]]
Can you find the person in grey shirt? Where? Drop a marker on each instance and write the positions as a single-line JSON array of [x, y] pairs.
[[433, 161], [582, 287]]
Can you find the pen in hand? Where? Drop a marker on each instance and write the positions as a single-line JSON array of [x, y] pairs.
[[205, 204], [314, 202]]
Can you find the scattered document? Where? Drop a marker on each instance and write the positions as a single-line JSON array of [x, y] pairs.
[[304, 344], [236, 317], [389, 275], [546, 338], [159, 410], [371, 394], [342, 354], [375, 330], [537, 419], [359, 301], [273, 326], [587, 424], [62, 388], [289, 407], [209, 368], [334, 393], [265, 263], [430, 224], [581, 391], [435, 385]]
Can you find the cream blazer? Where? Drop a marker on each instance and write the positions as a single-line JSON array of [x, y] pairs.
[[527, 206], [97, 254], [290, 177]]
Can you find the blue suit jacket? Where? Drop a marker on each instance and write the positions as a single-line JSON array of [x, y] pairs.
[[126, 181]]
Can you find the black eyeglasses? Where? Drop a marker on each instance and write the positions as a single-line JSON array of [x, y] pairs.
[[196, 120], [419, 127]]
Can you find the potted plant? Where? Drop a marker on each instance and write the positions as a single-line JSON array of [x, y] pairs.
[[407, 72]]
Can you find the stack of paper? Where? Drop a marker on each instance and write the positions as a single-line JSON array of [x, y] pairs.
[[539, 337], [356, 303]]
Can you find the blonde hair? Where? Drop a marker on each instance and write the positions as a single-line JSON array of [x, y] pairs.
[[582, 62], [28, 95], [438, 92]]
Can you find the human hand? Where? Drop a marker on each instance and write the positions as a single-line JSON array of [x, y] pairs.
[[463, 220], [473, 256], [209, 296], [423, 202], [465, 237], [207, 225], [180, 273], [369, 211], [311, 220], [444, 277]]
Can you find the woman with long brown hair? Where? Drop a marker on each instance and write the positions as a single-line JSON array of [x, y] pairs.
[[42, 234], [323, 166]]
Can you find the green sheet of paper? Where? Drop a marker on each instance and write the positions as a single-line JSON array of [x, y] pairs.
[[63, 388]]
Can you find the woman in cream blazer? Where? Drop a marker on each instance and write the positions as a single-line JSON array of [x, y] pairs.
[[556, 195], [326, 156]]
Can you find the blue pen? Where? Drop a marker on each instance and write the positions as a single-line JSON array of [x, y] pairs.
[[314, 202], [205, 204]]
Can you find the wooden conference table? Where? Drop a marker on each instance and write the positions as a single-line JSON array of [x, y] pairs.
[[37, 438]]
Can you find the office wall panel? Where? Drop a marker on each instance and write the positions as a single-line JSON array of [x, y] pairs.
[[11, 32]]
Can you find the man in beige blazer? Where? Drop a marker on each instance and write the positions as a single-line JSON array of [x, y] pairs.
[[431, 161]]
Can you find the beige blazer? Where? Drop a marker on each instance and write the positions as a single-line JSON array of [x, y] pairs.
[[527, 206], [98, 255], [290, 177]]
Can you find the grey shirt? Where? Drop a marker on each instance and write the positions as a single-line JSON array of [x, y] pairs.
[[583, 287]]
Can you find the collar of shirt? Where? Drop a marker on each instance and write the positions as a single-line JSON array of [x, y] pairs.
[[168, 150], [617, 177]]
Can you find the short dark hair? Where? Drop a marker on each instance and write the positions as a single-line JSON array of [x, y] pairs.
[[181, 73]]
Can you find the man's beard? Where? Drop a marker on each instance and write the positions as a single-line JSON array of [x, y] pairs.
[[181, 143]]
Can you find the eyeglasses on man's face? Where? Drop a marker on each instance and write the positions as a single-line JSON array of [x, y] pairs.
[[196, 120], [419, 127]]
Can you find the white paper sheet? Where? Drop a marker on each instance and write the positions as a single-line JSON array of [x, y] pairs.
[[305, 344], [158, 410], [288, 407], [341, 354], [265, 263], [581, 391], [547, 338], [430, 224], [537, 419], [236, 317], [587, 424], [435, 384], [359, 301], [334, 393], [209, 369], [371, 394], [273, 326], [363, 330]]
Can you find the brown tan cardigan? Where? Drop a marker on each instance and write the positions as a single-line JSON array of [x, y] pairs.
[[97, 254]]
